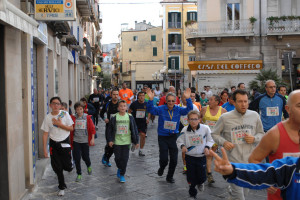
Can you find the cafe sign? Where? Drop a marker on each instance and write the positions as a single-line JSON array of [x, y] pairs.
[[55, 10], [225, 65]]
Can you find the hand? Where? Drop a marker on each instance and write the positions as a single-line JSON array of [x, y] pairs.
[[147, 121], [46, 154], [222, 165], [92, 142], [106, 121], [137, 146], [110, 144], [272, 190], [249, 139], [228, 145], [206, 151], [184, 149], [187, 93], [56, 122], [86, 110], [150, 94]]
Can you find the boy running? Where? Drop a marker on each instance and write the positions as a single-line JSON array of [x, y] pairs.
[[122, 131], [58, 125]]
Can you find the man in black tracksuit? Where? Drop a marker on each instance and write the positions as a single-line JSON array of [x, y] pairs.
[[110, 108]]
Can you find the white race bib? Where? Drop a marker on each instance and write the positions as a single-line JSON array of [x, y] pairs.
[[170, 125], [238, 136], [184, 120], [140, 114], [125, 95], [297, 155], [211, 124], [195, 140], [65, 145], [272, 111], [96, 99], [122, 129], [80, 124]]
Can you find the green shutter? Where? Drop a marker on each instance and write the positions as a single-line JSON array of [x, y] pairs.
[[154, 51], [178, 39], [176, 63], [153, 37], [188, 16], [179, 19], [169, 63], [169, 17]]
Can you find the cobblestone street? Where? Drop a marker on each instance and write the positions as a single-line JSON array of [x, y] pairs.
[[142, 181]]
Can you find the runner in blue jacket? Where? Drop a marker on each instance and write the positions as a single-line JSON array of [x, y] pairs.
[[282, 173], [168, 124]]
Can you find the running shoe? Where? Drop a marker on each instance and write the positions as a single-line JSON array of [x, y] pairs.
[[61, 193], [104, 162], [89, 170], [78, 178], [160, 172], [141, 153], [118, 173], [184, 169], [108, 164], [210, 178], [200, 187], [122, 179]]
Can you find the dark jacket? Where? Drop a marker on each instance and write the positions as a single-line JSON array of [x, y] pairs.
[[111, 130]]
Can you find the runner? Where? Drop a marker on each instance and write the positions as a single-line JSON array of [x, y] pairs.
[[138, 111], [95, 100], [209, 115], [126, 94], [110, 109], [168, 124], [229, 106], [193, 98], [280, 141], [239, 131]]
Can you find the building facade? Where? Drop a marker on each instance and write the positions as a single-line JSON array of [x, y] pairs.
[[234, 39]]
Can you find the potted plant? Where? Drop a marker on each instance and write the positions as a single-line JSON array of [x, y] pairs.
[[252, 20], [189, 22]]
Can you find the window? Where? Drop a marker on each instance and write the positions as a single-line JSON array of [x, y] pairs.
[[135, 38], [233, 16], [153, 37], [129, 49], [174, 42], [173, 62], [154, 51], [192, 58], [174, 20], [192, 16]]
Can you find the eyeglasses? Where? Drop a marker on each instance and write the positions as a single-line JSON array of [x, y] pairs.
[[194, 119], [55, 104], [171, 101]]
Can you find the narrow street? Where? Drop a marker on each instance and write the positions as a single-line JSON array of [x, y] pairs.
[[142, 181]]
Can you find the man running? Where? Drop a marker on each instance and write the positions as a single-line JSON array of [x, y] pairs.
[[126, 94], [282, 140], [209, 115], [168, 124], [162, 100], [138, 110], [110, 108], [238, 131]]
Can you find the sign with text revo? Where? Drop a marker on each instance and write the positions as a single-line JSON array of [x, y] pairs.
[[55, 10]]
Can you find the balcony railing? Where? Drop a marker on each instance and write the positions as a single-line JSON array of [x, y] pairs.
[[174, 24], [174, 47], [220, 28], [284, 27]]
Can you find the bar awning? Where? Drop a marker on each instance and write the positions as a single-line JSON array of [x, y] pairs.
[[17, 18]]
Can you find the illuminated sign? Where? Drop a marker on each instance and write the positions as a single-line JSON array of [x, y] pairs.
[[55, 10], [226, 65]]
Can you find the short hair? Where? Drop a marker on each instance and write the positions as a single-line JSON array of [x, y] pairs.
[[70, 102], [145, 86], [281, 87], [217, 98], [170, 94], [241, 92], [53, 98], [115, 89], [64, 104], [229, 95], [268, 81], [240, 84], [226, 90], [193, 112], [121, 101], [193, 89], [202, 93], [233, 87], [83, 99], [223, 92], [140, 93], [166, 90], [78, 104]]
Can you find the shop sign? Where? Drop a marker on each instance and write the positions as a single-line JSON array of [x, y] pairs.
[[55, 10], [226, 65]]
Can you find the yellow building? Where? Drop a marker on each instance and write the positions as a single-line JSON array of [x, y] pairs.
[[141, 55], [177, 50]]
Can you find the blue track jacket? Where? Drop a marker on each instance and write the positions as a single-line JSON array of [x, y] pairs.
[[260, 105], [164, 115], [282, 173]]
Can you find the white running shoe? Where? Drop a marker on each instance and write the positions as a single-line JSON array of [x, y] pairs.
[[61, 193], [201, 187], [141, 152]]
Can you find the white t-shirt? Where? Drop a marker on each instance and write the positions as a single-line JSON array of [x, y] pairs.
[[157, 93], [55, 133]]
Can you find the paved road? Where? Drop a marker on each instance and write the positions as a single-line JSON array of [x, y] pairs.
[[142, 181]]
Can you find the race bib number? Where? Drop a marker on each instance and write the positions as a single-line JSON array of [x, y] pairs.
[[184, 120], [170, 125], [296, 155], [195, 140], [122, 129], [80, 124], [211, 124], [125, 95], [65, 145], [96, 99], [140, 114], [272, 111], [238, 136]]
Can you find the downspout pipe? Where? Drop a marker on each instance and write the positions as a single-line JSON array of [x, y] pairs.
[[260, 35]]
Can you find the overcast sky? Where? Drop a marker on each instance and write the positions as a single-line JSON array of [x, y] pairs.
[[116, 12]]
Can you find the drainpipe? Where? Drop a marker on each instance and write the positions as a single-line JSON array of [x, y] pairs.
[[183, 29], [260, 35]]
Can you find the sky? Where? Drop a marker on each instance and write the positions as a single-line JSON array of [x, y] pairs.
[[116, 12]]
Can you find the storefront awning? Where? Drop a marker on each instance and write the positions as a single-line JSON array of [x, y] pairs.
[[18, 19]]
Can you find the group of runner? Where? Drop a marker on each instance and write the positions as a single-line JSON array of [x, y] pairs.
[[192, 123]]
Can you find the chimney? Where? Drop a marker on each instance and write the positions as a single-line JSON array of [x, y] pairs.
[[144, 21]]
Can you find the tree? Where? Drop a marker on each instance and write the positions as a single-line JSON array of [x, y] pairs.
[[106, 80], [262, 77]]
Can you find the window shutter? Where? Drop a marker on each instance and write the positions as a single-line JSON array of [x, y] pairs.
[[169, 17], [179, 39], [169, 63], [188, 16], [154, 51]]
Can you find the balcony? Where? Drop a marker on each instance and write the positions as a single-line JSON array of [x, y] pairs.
[[287, 27], [84, 7], [86, 53], [220, 29], [174, 24], [174, 47]]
